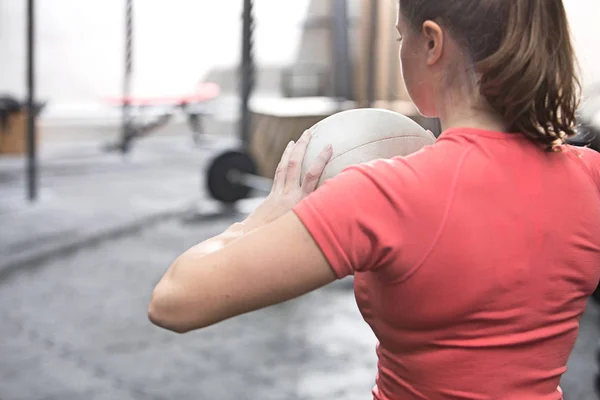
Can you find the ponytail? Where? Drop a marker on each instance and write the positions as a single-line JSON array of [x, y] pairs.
[[524, 56], [531, 79]]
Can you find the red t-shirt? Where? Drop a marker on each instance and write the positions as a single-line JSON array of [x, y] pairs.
[[472, 261]]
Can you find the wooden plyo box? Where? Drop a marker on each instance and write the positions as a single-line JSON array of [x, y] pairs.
[[277, 121], [13, 134]]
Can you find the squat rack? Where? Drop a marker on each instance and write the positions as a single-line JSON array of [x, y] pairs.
[[32, 176], [247, 76], [342, 63]]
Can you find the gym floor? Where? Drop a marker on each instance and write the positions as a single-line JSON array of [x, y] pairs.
[[73, 324]]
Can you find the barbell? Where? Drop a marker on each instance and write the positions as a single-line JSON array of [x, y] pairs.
[[232, 175]]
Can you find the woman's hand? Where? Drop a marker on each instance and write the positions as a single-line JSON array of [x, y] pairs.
[[287, 190]]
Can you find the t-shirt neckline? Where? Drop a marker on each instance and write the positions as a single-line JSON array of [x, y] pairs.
[[481, 132]]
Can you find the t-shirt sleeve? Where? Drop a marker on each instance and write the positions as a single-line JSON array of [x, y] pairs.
[[340, 220], [370, 216], [591, 159], [595, 161]]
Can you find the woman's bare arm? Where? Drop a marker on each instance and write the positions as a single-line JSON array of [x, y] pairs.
[[231, 275], [267, 259]]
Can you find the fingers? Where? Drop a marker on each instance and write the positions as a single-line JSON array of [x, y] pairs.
[[312, 177], [281, 171], [294, 165]]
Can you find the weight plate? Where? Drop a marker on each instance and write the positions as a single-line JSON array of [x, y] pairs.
[[218, 183]]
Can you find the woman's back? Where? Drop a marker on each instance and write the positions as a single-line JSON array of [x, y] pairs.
[[499, 251], [474, 258]]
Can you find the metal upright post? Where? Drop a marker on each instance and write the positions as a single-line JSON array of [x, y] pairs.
[[247, 73], [372, 53], [341, 50], [32, 178], [126, 128]]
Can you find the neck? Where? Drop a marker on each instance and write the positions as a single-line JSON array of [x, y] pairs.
[[472, 118], [466, 109]]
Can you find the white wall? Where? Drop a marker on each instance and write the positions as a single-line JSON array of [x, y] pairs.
[[80, 45], [584, 16]]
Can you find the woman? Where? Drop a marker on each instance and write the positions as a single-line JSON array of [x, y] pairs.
[[473, 258]]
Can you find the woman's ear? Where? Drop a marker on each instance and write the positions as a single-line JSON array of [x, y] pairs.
[[434, 41]]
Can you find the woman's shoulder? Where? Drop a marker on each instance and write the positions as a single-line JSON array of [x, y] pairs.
[[426, 176], [591, 156], [432, 162], [591, 159]]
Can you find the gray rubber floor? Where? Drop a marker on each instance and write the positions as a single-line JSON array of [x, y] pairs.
[[73, 324], [76, 328]]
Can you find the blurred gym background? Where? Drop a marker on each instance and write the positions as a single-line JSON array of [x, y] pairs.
[[120, 121]]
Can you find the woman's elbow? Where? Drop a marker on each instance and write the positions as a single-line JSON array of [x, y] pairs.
[[161, 312]]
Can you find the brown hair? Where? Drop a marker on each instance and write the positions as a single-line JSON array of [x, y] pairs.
[[523, 54]]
